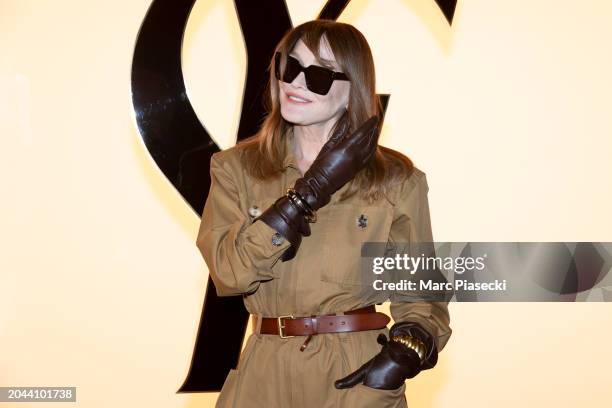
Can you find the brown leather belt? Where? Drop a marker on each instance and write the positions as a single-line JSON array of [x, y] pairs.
[[366, 318]]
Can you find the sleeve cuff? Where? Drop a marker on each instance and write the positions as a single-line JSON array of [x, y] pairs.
[[273, 243]]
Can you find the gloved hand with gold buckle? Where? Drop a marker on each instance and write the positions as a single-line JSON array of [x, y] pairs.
[[409, 350], [338, 161]]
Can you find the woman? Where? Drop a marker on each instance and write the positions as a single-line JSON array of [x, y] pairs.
[[287, 212]]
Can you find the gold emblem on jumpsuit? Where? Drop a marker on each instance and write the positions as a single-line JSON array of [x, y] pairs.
[[362, 221], [254, 211]]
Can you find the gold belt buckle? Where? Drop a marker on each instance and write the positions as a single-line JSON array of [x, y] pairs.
[[281, 326]]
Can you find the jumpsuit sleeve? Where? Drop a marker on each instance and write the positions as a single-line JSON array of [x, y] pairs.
[[412, 224], [239, 254]]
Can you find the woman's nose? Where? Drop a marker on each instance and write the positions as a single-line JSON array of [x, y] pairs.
[[300, 80]]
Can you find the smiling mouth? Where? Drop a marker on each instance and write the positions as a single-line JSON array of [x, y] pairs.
[[296, 99]]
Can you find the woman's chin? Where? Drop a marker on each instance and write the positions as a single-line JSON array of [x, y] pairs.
[[293, 118]]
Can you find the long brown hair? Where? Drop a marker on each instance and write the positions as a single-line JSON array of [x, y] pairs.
[[264, 151]]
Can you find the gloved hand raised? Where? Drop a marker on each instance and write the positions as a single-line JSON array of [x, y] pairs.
[[338, 161], [395, 362]]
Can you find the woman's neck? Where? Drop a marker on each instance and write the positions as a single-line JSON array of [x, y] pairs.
[[308, 140]]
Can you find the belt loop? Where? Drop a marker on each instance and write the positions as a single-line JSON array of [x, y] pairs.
[[258, 319]]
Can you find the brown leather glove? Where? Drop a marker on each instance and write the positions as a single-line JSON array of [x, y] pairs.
[[339, 160], [338, 164], [395, 363]]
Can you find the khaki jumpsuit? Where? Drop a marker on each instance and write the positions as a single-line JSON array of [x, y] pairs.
[[323, 278]]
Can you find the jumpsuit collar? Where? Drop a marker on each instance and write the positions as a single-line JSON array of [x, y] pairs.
[[290, 159]]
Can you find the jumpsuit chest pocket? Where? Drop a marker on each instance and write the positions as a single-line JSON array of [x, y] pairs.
[[347, 227]]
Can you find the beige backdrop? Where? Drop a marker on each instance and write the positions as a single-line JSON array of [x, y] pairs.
[[508, 112]]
